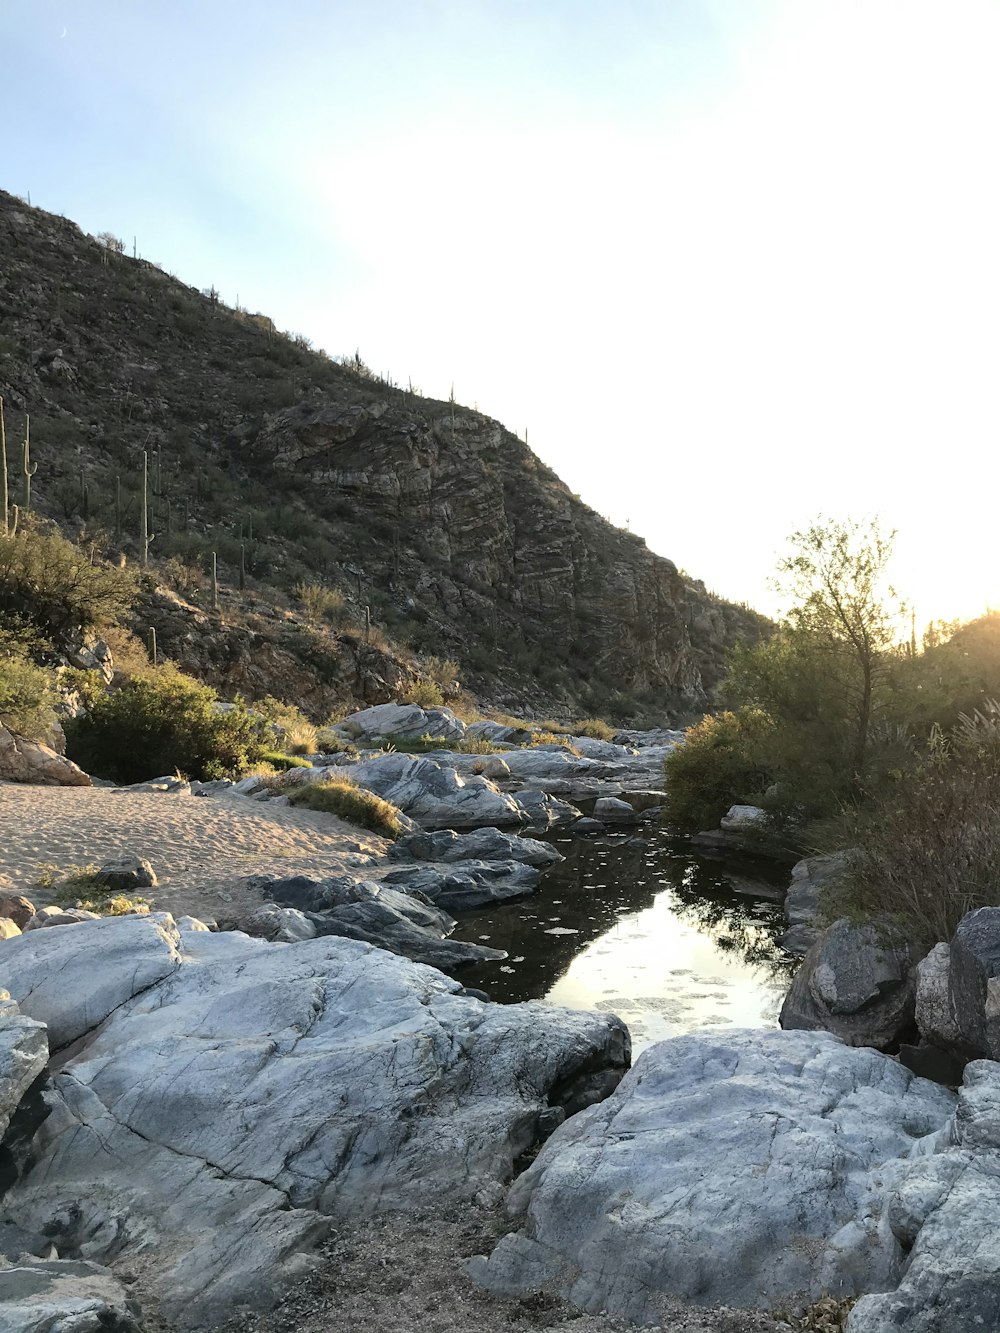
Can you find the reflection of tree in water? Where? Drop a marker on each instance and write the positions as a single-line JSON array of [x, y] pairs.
[[598, 884]]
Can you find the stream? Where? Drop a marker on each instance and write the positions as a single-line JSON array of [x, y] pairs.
[[645, 927]]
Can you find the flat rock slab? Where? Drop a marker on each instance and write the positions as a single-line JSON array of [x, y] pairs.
[[219, 1115], [740, 1169], [64, 1296], [485, 844]]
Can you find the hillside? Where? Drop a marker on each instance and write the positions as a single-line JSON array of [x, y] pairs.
[[453, 534]]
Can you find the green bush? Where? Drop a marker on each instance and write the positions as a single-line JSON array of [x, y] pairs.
[[722, 762], [27, 693], [424, 693], [339, 796], [162, 722], [54, 586], [282, 762]]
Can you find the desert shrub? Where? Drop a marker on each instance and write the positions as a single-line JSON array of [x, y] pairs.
[[424, 693], [442, 671], [50, 583], [928, 850], [328, 742], [160, 722], [722, 762], [27, 693], [594, 727], [320, 603], [339, 796], [295, 733]]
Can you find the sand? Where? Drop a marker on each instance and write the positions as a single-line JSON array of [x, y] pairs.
[[201, 848]]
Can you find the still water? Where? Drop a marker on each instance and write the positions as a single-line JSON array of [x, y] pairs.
[[646, 928]]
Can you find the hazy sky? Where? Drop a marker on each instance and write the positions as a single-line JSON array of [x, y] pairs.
[[731, 262]]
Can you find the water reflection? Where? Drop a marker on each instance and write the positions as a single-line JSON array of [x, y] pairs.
[[645, 928]]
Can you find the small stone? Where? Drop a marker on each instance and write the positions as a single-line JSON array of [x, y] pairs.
[[127, 874]]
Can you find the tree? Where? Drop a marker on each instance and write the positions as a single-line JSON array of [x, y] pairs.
[[848, 611]]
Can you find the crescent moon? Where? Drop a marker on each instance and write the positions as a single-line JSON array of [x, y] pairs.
[[63, 33]]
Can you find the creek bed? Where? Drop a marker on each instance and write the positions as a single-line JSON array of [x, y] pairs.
[[642, 926]]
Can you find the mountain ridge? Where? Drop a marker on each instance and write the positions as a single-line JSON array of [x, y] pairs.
[[435, 523]]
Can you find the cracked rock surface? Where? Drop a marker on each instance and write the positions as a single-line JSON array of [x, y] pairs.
[[223, 1097], [742, 1168]]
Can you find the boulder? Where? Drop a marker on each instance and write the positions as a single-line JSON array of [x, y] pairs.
[[9, 930], [405, 720], [16, 908], [224, 1112], [24, 1052], [974, 982], [271, 922], [811, 878], [22, 760], [935, 1018], [858, 981], [59, 916], [127, 874], [586, 826], [609, 810], [944, 1210], [379, 914], [743, 819], [71, 980], [64, 1296], [437, 796], [471, 883], [484, 844], [744, 1169]]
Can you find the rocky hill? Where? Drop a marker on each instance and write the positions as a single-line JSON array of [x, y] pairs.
[[445, 526]]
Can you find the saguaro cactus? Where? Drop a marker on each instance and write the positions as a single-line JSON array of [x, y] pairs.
[[27, 467], [3, 474], [215, 582]]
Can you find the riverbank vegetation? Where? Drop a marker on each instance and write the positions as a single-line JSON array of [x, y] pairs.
[[850, 734]]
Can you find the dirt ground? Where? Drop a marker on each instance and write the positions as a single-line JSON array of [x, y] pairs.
[[407, 1275]]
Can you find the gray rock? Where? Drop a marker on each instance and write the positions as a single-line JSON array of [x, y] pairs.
[[437, 796], [945, 1212], [64, 1296], [609, 810], [218, 1117], [471, 884], [127, 874], [379, 914], [743, 819], [935, 1019], [8, 929], [804, 902], [71, 980], [60, 916], [974, 982], [404, 720], [857, 981], [586, 826], [484, 844], [741, 1169], [24, 1052], [271, 922]]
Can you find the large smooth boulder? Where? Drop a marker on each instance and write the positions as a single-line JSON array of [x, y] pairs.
[[218, 1118], [945, 1212], [483, 844], [73, 979], [64, 1296], [22, 760], [610, 810], [470, 884], [857, 981], [409, 721], [742, 1169], [974, 982], [436, 796]]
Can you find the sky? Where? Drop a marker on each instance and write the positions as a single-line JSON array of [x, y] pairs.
[[732, 264]]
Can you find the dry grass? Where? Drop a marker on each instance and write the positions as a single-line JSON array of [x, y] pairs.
[[339, 796]]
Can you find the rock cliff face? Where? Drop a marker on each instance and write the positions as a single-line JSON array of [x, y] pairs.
[[452, 533]]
